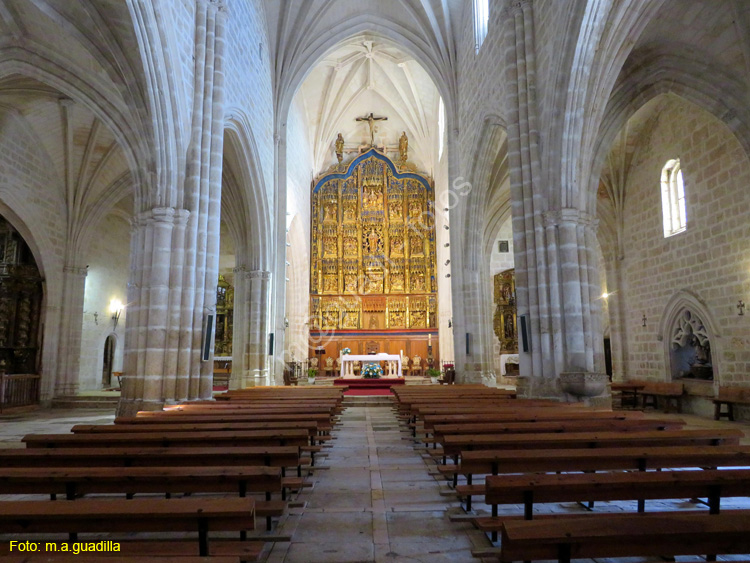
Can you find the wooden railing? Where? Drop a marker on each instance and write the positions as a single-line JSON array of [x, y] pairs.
[[19, 390]]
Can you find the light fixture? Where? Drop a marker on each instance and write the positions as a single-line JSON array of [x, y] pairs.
[[605, 295], [644, 319], [115, 307], [450, 323], [447, 275], [289, 244], [447, 262], [447, 244], [446, 227], [286, 322], [741, 307]]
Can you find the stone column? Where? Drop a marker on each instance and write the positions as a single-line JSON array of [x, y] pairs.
[[148, 307], [250, 346], [259, 327], [71, 327], [529, 199]]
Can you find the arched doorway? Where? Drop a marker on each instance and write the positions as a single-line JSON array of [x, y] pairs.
[[109, 358], [21, 296]]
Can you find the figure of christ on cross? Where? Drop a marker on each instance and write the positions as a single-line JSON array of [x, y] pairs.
[[371, 119]]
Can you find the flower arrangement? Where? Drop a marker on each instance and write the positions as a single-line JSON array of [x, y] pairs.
[[372, 371], [447, 366], [346, 351]]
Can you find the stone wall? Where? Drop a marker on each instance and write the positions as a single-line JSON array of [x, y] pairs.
[[108, 258], [710, 259]]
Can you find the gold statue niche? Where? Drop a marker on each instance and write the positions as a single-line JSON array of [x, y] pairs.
[[372, 234]]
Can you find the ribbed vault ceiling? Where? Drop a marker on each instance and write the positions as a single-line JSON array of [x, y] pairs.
[[368, 74]]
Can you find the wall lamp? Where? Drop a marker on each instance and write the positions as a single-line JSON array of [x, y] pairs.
[[741, 307], [644, 320], [115, 307]]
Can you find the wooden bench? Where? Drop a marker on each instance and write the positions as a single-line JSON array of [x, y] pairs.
[[178, 426], [671, 393], [492, 462], [170, 439], [276, 456], [730, 396], [528, 489], [625, 536], [138, 515], [82, 558], [74, 482]]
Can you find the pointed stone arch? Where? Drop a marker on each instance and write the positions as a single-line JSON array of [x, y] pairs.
[[699, 317]]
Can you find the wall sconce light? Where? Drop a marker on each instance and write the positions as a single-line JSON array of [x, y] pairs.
[[605, 295], [447, 262], [446, 227], [289, 244], [741, 307], [286, 322], [450, 323], [115, 307], [447, 244], [644, 320], [447, 275]]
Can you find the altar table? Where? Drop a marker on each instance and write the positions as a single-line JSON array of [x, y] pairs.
[[392, 364]]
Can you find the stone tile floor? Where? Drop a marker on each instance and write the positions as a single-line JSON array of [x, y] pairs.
[[375, 501]]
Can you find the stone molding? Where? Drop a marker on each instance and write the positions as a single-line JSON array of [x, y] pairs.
[[557, 217], [76, 270]]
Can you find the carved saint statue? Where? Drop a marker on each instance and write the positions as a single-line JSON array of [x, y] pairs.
[[403, 147], [396, 210], [372, 241], [340, 148]]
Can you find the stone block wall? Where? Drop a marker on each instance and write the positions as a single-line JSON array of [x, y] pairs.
[[108, 259], [710, 259]]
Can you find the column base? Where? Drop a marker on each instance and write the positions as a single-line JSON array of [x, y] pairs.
[[130, 407]]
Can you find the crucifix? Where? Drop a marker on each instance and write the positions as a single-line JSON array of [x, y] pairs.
[[741, 307], [371, 121]]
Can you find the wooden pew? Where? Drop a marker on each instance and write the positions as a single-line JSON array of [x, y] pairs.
[[139, 515], [625, 536], [178, 426], [169, 439], [84, 558], [454, 444], [671, 392], [73, 482], [494, 462], [323, 420], [528, 489], [730, 396]]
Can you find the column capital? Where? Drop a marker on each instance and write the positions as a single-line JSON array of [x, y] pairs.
[[76, 270], [515, 7], [556, 217], [248, 274]]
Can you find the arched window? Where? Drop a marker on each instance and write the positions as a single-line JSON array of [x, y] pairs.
[[481, 19], [673, 198]]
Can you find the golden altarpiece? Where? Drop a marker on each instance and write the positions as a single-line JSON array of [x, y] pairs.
[[373, 277]]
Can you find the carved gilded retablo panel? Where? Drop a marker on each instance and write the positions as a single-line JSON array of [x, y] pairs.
[[504, 321], [372, 234]]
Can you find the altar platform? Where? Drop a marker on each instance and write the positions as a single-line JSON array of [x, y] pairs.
[[359, 383]]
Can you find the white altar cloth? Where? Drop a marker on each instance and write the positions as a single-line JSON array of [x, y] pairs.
[[392, 364]]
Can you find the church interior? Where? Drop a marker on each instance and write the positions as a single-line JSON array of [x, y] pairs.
[[390, 225]]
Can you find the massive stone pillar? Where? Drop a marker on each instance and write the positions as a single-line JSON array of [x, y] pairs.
[[557, 281], [174, 250], [252, 295], [71, 328]]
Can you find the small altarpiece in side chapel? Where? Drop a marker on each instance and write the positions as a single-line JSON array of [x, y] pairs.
[[504, 321], [372, 266]]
